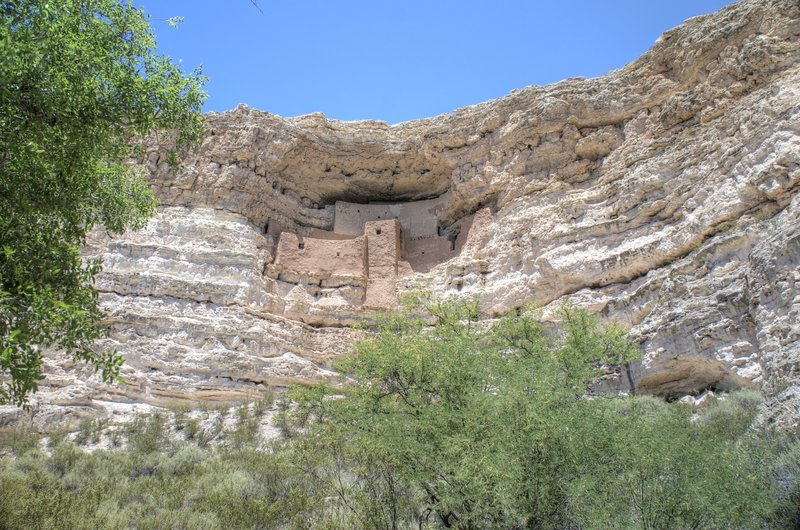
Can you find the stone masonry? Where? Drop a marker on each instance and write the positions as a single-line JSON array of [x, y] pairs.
[[371, 246]]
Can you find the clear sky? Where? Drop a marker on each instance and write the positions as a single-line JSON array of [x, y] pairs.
[[402, 60]]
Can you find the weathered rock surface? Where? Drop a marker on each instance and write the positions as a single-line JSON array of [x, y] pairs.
[[690, 375], [663, 195]]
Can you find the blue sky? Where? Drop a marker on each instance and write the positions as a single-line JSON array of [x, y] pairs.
[[397, 61]]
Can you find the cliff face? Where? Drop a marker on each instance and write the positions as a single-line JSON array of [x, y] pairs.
[[663, 195]]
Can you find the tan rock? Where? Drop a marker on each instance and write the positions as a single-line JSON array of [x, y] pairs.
[[690, 375]]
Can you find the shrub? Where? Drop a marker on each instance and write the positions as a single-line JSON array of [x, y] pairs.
[[19, 440], [475, 422], [179, 410], [732, 416], [650, 464], [456, 424], [193, 429], [90, 430], [264, 403], [494, 428], [246, 432], [787, 487], [146, 434]]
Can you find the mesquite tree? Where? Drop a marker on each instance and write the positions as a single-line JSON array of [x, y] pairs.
[[80, 82]]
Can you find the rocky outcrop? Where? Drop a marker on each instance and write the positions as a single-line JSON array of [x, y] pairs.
[[663, 195], [690, 375]]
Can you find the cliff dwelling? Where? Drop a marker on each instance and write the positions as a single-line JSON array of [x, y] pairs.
[[663, 196], [371, 246]]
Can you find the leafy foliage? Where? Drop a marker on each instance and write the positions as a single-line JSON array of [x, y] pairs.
[[786, 482], [80, 82], [450, 423], [497, 428], [663, 467]]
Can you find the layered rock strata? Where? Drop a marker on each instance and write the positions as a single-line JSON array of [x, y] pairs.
[[663, 195]]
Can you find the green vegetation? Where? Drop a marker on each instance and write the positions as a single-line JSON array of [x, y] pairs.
[[452, 425], [495, 429], [80, 86], [90, 430]]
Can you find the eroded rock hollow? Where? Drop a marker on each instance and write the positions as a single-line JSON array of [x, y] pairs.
[[663, 195]]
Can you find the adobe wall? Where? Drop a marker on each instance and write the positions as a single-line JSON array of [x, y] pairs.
[[316, 233], [372, 245], [384, 252], [274, 229], [417, 219], [373, 259], [422, 245], [320, 258], [425, 252], [383, 248]]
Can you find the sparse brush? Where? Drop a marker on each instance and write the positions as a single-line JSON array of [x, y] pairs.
[[246, 432], [178, 405], [90, 430], [202, 437], [56, 437], [179, 409], [284, 419], [262, 405], [458, 425], [192, 429], [20, 439], [733, 415], [146, 434]]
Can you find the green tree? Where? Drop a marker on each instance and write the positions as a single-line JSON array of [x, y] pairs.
[[80, 85], [467, 424], [474, 419], [658, 466]]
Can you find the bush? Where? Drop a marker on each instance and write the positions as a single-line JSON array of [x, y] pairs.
[[731, 417], [264, 403], [192, 429], [787, 487], [246, 432], [90, 430], [456, 425], [495, 428], [146, 434], [662, 468], [190, 489], [19, 440]]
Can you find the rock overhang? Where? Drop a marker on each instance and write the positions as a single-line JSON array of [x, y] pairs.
[[614, 193]]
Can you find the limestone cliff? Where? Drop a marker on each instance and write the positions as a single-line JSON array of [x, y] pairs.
[[664, 195]]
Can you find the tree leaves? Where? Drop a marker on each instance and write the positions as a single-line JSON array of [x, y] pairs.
[[495, 426], [80, 85]]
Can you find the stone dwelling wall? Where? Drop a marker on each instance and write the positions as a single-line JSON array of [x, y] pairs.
[[316, 233], [425, 251], [384, 255], [381, 250], [417, 219], [373, 259], [422, 246], [314, 258]]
